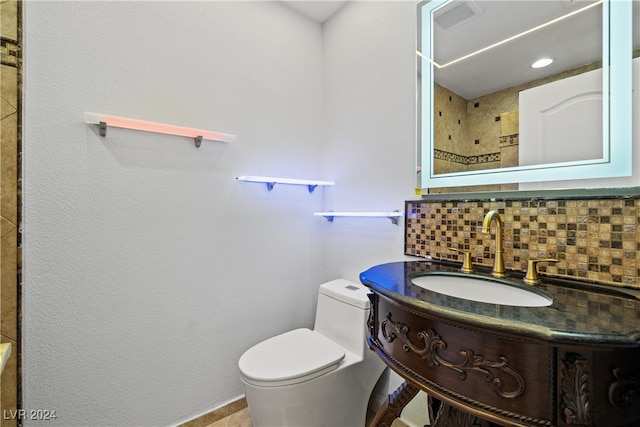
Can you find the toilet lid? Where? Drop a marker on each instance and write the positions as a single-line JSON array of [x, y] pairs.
[[292, 357]]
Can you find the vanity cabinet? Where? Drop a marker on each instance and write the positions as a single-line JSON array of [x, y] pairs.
[[480, 371]]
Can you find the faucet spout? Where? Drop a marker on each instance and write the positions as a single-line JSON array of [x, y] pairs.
[[498, 264]]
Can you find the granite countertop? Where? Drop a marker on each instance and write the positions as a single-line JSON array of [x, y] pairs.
[[581, 313]]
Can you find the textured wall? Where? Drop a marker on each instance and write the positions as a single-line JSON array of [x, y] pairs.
[[148, 268], [369, 130]]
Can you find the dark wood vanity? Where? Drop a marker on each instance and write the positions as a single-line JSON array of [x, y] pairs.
[[573, 363]]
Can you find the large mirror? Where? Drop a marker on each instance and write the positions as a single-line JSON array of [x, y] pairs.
[[490, 119]]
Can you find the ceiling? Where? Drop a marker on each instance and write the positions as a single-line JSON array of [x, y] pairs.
[[572, 42], [318, 10], [494, 20]]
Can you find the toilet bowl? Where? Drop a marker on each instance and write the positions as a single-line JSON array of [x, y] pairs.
[[319, 377]]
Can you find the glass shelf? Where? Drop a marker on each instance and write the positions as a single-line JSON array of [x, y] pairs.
[[393, 216], [104, 120], [272, 181]]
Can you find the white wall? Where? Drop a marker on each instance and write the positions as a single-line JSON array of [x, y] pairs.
[[369, 130], [148, 269], [369, 135]]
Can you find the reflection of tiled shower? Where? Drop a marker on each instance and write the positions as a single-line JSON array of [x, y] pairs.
[[481, 133], [9, 137], [472, 134]]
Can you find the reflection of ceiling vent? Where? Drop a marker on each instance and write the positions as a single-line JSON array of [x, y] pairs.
[[456, 13], [572, 3]]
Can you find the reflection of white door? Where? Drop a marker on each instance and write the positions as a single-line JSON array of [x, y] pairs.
[[562, 121]]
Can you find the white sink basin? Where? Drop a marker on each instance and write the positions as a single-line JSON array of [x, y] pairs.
[[480, 290]]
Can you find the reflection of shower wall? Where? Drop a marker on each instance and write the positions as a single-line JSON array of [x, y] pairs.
[[468, 133], [491, 121], [509, 139], [450, 131], [485, 128]]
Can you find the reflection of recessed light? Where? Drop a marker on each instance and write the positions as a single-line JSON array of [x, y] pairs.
[[542, 63]]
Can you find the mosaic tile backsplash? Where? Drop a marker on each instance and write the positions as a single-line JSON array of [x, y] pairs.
[[592, 239]]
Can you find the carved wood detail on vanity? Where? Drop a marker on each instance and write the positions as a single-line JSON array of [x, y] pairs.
[[392, 407], [479, 377], [575, 390], [470, 361], [486, 374], [450, 416], [625, 390]]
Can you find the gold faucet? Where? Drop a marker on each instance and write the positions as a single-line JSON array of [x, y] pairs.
[[498, 264]]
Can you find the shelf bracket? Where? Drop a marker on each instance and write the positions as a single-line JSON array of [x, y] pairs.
[[311, 187], [395, 219], [271, 181], [103, 128], [198, 141]]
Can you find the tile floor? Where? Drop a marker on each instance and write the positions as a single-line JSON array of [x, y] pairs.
[[242, 419], [237, 419]]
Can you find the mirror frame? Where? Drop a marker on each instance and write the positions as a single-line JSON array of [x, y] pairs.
[[617, 111]]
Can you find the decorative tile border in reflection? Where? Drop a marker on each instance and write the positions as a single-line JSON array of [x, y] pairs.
[[450, 157], [509, 140], [466, 160], [8, 52], [593, 239]]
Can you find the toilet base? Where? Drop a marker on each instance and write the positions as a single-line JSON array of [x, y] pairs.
[[337, 399]]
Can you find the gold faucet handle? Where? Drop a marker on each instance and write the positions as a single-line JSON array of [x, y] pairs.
[[467, 265], [531, 278]]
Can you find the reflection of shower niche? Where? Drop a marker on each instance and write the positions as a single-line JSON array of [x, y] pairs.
[[562, 121], [481, 133]]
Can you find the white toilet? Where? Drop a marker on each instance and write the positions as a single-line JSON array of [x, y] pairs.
[[315, 378]]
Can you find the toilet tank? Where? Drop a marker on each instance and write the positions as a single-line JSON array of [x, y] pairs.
[[342, 313]]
